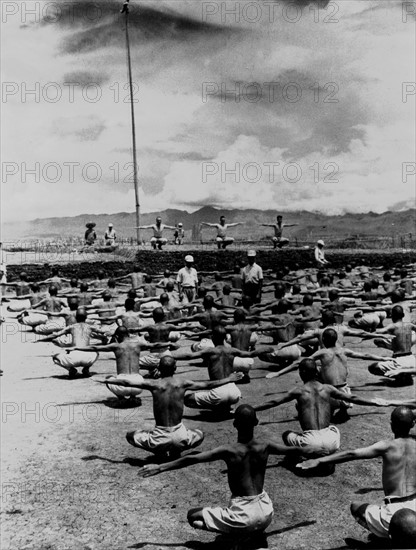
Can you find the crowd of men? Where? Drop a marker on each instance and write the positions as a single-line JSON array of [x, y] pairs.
[[290, 320]]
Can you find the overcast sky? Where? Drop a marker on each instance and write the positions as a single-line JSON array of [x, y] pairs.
[[240, 104]]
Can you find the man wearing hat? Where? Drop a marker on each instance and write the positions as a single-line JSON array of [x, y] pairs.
[[187, 280], [252, 276], [319, 254], [110, 236], [179, 234], [90, 234]]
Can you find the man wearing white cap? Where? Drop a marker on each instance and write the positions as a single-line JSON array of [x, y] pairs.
[[187, 280], [319, 253], [110, 236], [179, 234], [252, 276]]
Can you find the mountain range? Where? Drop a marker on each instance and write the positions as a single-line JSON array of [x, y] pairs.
[[311, 224]]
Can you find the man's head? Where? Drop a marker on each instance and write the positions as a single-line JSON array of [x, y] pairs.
[[402, 529], [132, 294], [120, 334], [170, 286], [158, 315], [239, 316], [279, 291], [397, 296], [386, 277], [158, 220], [307, 300], [189, 260], [245, 418], [217, 276], [167, 366], [397, 313], [100, 274], [246, 302], [83, 287], [333, 295], [35, 287], [374, 284], [208, 302], [226, 290], [110, 226], [251, 256], [320, 243], [111, 283], [106, 295], [342, 275], [81, 315], [23, 276], [237, 269], [222, 220], [367, 286], [307, 370], [166, 273], [164, 299], [325, 281], [296, 289], [129, 304], [282, 307], [218, 335], [402, 421], [328, 318], [329, 337], [279, 219], [72, 303], [53, 290], [148, 279]]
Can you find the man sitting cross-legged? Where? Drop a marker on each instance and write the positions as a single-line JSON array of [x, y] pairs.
[[169, 435], [250, 511]]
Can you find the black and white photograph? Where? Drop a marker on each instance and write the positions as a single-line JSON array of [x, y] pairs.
[[208, 274]]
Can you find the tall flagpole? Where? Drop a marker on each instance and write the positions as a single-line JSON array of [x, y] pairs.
[[133, 124]]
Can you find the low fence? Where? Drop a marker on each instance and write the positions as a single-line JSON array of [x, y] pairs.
[[74, 245]]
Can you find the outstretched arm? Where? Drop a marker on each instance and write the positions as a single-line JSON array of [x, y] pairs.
[[276, 402], [373, 451], [211, 384], [336, 394], [366, 356], [220, 453]]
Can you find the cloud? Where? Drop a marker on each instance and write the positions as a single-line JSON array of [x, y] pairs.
[[324, 89]]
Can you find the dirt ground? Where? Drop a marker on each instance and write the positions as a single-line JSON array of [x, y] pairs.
[[70, 478]]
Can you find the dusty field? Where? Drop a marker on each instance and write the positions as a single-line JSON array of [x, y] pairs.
[[70, 478]]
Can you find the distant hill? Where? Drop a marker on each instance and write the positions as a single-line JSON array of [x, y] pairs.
[[311, 224]]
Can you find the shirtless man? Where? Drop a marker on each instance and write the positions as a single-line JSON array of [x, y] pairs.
[[250, 511], [169, 434], [136, 277], [130, 319], [26, 302], [278, 240], [161, 331], [222, 239], [157, 241], [401, 345], [219, 361], [22, 290], [398, 476], [106, 313], [313, 403], [50, 304], [81, 334], [334, 366], [126, 348]]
